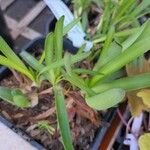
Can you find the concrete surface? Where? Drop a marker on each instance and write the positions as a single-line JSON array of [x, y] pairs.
[[9, 140]]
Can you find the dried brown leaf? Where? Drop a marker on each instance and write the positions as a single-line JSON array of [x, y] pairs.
[[83, 109], [136, 104], [45, 114]]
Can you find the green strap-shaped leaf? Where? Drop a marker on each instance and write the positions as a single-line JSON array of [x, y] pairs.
[[140, 8], [58, 38], [63, 118], [68, 27], [59, 63], [136, 50], [12, 64], [49, 48], [124, 6], [34, 63], [113, 51], [49, 54], [127, 43], [106, 99], [8, 52], [127, 83]]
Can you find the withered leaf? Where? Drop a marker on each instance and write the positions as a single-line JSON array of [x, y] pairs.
[[145, 95], [135, 101], [143, 141]]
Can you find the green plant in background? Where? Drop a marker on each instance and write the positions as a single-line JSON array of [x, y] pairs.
[[122, 14], [82, 9], [101, 92]]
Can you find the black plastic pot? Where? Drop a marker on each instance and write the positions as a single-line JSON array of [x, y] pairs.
[[108, 118], [111, 113], [21, 133], [39, 42], [4, 72]]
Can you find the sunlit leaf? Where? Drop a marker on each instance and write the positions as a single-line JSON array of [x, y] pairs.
[[145, 95], [136, 104], [11, 64], [144, 141], [134, 51], [106, 99], [8, 52]]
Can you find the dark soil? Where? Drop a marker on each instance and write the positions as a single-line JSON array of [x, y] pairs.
[[82, 128]]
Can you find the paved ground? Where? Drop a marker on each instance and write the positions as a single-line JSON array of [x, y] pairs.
[[19, 8]]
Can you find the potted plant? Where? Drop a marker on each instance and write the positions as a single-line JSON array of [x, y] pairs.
[[62, 79]]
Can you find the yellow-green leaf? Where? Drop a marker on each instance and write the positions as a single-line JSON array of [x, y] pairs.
[[144, 141], [136, 104], [145, 95], [106, 99]]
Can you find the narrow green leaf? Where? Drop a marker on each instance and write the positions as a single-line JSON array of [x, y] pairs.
[[78, 82], [122, 9], [126, 83], [106, 16], [49, 48], [136, 50], [119, 34], [67, 63], [8, 52], [81, 49], [141, 7], [85, 71], [70, 26], [113, 51], [127, 43], [49, 54], [11, 64], [63, 118], [106, 99], [42, 57], [109, 39], [34, 63], [58, 38], [30, 60], [59, 63]]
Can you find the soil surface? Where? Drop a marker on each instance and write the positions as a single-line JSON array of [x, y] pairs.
[[83, 124]]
